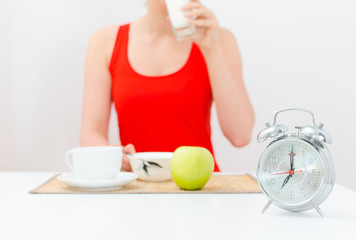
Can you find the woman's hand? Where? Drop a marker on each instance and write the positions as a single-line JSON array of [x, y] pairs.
[[207, 25], [128, 149]]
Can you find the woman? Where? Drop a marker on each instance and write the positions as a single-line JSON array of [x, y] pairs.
[[162, 88]]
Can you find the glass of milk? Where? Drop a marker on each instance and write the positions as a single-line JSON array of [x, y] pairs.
[[180, 24]]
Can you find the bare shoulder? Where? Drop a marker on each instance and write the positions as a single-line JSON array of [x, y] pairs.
[[227, 38], [229, 45], [102, 41], [230, 49], [105, 34]]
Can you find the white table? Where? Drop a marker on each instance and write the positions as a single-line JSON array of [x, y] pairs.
[[163, 216]]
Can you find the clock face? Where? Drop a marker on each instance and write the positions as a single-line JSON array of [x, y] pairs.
[[290, 171]]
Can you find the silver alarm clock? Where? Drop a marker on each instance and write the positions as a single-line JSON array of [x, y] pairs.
[[296, 171]]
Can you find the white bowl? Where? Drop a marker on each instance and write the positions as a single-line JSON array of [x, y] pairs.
[[151, 166]]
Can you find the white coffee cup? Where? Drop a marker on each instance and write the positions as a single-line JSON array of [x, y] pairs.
[[180, 24], [95, 162]]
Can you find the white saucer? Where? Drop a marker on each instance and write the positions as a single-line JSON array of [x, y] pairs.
[[81, 184]]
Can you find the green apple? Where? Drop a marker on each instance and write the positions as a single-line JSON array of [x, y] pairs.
[[191, 167]]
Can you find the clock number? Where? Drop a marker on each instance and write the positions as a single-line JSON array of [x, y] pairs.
[[280, 152]]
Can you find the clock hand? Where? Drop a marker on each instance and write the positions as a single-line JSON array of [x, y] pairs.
[[291, 172], [292, 154], [286, 180]]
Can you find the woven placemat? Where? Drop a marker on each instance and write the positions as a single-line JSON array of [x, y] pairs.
[[217, 184]]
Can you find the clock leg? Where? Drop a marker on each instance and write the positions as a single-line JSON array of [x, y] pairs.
[[318, 209], [267, 206]]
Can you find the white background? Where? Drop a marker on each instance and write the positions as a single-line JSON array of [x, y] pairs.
[[295, 54]]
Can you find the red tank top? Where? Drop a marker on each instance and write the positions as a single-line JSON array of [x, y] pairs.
[[164, 112]]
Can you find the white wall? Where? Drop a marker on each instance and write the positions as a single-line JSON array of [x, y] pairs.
[[6, 89], [300, 54]]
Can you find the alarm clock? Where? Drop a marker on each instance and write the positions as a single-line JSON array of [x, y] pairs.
[[296, 171]]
